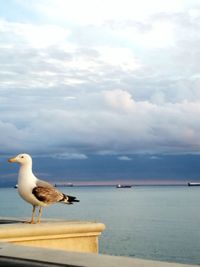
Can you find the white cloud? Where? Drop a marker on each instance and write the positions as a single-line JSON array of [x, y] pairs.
[[147, 35], [69, 156], [124, 158], [121, 57], [96, 11], [119, 99], [154, 157], [37, 36]]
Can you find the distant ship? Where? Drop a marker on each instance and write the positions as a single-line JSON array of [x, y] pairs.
[[123, 186], [193, 184], [63, 185], [16, 186]]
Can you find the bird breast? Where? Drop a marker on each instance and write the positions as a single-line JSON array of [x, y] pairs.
[[26, 183]]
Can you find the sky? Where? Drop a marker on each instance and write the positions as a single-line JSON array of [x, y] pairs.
[[84, 82]]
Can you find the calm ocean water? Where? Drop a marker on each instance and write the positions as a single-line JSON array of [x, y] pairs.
[[151, 222]]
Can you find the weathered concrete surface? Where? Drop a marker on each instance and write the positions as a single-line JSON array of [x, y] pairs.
[[66, 235], [12, 255]]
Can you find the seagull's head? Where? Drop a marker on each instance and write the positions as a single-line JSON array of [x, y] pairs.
[[22, 159]]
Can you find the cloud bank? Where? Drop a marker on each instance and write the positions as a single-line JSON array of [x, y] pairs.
[[115, 81]]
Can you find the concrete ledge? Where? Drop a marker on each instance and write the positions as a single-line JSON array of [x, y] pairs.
[[12, 255], [66, 235]]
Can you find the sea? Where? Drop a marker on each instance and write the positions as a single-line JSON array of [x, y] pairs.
[[148, 222]]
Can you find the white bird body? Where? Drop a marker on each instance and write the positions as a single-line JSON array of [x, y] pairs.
[[35, 191], [26, 182]]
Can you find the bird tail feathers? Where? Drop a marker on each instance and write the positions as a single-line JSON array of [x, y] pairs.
[[69, 199]]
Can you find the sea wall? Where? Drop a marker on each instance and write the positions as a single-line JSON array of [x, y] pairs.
[[79, 236]]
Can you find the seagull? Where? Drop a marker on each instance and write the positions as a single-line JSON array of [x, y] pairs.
[[37, 192]]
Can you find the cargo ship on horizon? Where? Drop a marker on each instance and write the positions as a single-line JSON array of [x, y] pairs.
[[193, 184]]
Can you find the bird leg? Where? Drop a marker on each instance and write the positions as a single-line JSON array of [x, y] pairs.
[[33, 213], [39, 215], [32, 217]]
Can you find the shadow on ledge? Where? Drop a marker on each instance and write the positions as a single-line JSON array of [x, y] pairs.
[[9, 221]]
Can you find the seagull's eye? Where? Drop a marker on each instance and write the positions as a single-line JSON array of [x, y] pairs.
[[22, 157]]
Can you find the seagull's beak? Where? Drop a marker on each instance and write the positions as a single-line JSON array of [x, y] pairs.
[[12, 160]]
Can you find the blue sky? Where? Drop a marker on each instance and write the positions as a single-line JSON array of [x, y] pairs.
[[105, 78]]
